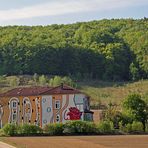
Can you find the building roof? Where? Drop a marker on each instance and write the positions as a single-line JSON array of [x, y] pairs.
[[38, 90], [62, 89], [26, 91]]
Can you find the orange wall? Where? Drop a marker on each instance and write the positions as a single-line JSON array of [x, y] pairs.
[[4, 102]]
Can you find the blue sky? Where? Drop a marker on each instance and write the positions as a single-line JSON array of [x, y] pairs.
[[44, 12]]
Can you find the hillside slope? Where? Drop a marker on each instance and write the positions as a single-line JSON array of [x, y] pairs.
[[114, 49], [100, 92]]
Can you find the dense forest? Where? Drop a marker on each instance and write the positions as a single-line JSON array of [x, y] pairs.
[[114, 49]]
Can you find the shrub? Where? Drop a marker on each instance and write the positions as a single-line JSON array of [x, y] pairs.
[[137, 127], [105, 127], [2, 133], [10, 129], [132, 127], [54, 129], [128, 128], [29, 129], [42, 80], [146, 127], [14, 81], [79, 127], [57, 80]]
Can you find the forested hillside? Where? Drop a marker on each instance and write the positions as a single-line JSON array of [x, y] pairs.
[[114, 49]]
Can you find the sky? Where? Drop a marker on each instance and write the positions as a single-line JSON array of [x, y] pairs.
[[46, 12]]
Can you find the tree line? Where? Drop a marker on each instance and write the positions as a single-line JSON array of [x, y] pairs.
[[114, 49]]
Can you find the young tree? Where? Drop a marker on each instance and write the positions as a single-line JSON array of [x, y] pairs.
[[136, 107], [42, 80]]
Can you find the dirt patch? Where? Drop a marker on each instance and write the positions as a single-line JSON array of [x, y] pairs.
[[136, 141]]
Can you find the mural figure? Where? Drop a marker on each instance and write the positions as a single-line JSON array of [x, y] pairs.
[[27, 110], [1, 114], [37, 105], [74, 114], [14, 110]]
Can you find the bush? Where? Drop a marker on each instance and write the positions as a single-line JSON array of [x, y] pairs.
[[14, 81], [137, 127], [57, 80], [105, 127], [29, 129], [79, 127], [127, 128], [132, 127], [42, 80], [10, 129], [25, 130], [146, 127], [54, 129]]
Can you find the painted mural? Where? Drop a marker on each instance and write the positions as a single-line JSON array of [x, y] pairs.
[[27, 110], [1, 114], [60, 108], [55, 105], [14, 110]]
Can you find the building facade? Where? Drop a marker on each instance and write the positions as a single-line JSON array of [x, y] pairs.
[[44, 105]]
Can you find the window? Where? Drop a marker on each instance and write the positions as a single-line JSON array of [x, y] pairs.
[[57, 104], [58, 118], [14, 104], [14, 116]]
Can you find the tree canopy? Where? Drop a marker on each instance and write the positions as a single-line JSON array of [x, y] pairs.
[[136, 108], [114, 49]]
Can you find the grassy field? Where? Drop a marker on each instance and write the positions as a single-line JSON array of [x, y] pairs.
[[115, 92], [128, 141], [100, 92]]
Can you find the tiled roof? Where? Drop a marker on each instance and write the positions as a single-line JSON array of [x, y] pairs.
[[34, 91], [62, 89], [26, 91]]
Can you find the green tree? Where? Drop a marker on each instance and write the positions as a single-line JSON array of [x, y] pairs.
[[42, 80], [134, 72], [57, 80], [136, 107]]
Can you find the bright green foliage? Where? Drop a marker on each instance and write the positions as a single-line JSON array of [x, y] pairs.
[[137, 126], [132, 127], [54, 129], [105, 127], [79, 127], [42, 80], [128, 128], [101, 49], [134, 72], [57, 80], [25, 130], [136, 108], [10, 129], [29, 129], [113, 114]]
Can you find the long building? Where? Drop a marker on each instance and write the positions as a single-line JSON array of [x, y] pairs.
[[44, 105]]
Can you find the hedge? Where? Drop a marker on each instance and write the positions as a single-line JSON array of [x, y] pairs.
[[54, 129], [23, 130], [70, 128], [79, 127], [135, 127]]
